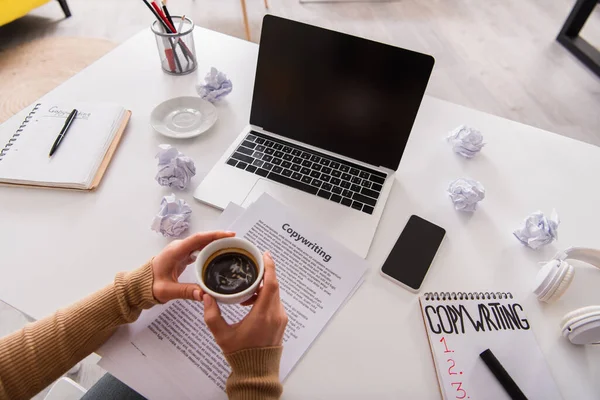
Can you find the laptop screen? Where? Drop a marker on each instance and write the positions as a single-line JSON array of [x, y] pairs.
[[348, 95]]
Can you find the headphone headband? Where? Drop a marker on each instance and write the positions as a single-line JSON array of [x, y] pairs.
[[585, 254]]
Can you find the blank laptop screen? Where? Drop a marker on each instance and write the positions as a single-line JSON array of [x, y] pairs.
[[341, 93]]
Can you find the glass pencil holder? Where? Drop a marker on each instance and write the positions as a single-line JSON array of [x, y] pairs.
[[176, 51]]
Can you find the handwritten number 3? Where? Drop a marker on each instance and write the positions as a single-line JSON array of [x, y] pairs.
[[452, 366], [459, 389]]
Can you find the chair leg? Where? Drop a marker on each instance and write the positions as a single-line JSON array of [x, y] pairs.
[[267, 4], [245, 14], [65, 8]]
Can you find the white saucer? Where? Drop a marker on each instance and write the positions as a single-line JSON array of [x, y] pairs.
[[183, 117]]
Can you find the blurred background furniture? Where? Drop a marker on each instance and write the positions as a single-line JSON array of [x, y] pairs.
[[570, 39], [13, 9], [245, 16], [32, 69]]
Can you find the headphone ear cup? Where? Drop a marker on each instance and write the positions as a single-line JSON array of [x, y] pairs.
[[553, 280], [582, 326], [562, 284]]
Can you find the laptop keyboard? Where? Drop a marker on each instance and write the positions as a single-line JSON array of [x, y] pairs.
[[310, 171]]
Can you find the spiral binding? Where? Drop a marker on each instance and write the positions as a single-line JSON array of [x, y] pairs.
[[443, 296], [15, 137]]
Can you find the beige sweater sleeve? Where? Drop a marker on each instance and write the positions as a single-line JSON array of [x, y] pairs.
[[38, 354], [35, 356], [254, 374]]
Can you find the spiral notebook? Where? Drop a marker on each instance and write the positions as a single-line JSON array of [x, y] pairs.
[[462, 325], [83, 156]]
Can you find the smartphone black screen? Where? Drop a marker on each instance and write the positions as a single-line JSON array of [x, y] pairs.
[[414, 252]]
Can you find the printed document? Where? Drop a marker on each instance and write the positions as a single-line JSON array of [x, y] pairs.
[[316, 274]]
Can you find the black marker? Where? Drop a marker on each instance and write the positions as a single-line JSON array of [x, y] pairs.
[[63, 132], [503, 377]]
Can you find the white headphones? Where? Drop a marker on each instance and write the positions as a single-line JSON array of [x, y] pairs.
[[581, 326]]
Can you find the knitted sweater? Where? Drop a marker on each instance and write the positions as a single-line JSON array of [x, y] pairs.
[[35, 356]]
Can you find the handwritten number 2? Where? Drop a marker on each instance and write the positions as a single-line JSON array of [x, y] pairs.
[[452, 366], [459, 389], [443, 340], [460, 392]]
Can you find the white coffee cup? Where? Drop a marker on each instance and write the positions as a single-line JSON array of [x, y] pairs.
[[223, 244]]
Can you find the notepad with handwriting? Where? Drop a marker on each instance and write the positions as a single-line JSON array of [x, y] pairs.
[[82, 156], [462, 325]]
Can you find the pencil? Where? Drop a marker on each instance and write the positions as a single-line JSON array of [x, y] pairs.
[[157, 16], [180, 42], [166, 10], [164, 17], [169, 53], [181, 24], [183, 46], [155, 10]]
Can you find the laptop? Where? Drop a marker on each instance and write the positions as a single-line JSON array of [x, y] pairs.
[[331, 115]]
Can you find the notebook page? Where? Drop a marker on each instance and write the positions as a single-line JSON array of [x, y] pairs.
[[115, 128], [80, 152], [459, 330]]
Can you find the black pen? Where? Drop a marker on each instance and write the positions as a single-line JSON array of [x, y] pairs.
[[63, 132], [503, 377]]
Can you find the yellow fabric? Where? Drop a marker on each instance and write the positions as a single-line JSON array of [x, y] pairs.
[[13, 9]]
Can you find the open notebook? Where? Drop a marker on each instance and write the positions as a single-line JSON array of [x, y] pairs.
[[83, 155], [462, 325]]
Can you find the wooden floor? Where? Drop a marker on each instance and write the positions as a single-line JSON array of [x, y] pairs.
[[497, 56]]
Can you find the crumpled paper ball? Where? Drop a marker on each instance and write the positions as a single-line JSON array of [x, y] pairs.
[[538, 230], [466, 193], [466, 141], [174, 169], [172, 218], [216, 86]]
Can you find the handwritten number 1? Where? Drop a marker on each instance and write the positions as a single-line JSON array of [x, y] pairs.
[[443, 340], [460, 392]]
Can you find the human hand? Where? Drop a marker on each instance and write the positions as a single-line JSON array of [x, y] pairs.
[[262, 327], [170, 263]]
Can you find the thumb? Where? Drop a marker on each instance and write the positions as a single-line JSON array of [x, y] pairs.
[[213, 318], [187, 291]]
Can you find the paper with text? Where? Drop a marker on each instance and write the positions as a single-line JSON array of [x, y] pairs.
[[76, 162], [316, 276], [126, 362], [459, 330]]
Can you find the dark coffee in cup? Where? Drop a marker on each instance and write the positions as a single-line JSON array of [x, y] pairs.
[[230, 271]]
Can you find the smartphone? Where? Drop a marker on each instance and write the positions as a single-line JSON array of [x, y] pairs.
[[413, 253]]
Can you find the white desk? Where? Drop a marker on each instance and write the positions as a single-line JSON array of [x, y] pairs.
[[58, 246]]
